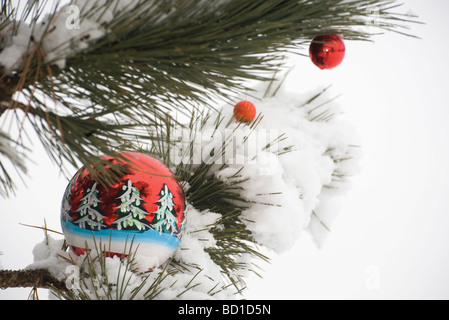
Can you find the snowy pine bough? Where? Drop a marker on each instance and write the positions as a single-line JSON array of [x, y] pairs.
[[274, 209], [94, 77]]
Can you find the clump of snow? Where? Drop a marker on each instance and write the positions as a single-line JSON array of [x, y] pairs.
[[61, 34], [208, 282], [47, 255], [323, 157], [111, 278]]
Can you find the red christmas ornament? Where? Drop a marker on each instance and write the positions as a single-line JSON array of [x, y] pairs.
[[328, 51], [146, 208], [244, 111]]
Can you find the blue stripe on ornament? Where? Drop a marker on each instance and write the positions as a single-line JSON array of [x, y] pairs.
[[148, 236]]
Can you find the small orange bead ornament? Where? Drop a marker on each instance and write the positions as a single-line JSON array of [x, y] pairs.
[[244, 111]]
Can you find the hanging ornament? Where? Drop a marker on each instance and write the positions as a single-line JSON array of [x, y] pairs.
[[143, 213], [244, 111], [328, 51]]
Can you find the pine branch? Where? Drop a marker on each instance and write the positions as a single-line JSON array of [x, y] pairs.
[[39, 278], [149, 61]]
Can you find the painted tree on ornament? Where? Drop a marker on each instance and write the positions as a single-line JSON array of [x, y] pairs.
[[131, 213], [165, 216], [89, 215]]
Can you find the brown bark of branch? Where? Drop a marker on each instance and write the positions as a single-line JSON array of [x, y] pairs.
[[8, 85], [39, 278], [3, 107]]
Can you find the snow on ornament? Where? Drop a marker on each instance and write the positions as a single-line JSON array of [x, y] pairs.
[[146, 208]]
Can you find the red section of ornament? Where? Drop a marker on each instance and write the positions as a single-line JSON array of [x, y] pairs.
[[244, 111], [80, 251], [327, 51]]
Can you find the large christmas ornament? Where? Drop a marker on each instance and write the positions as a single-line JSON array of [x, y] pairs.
[[145, 209], [244, 111], [328, 51]]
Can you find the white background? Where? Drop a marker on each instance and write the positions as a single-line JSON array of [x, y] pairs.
[[391, 240]]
